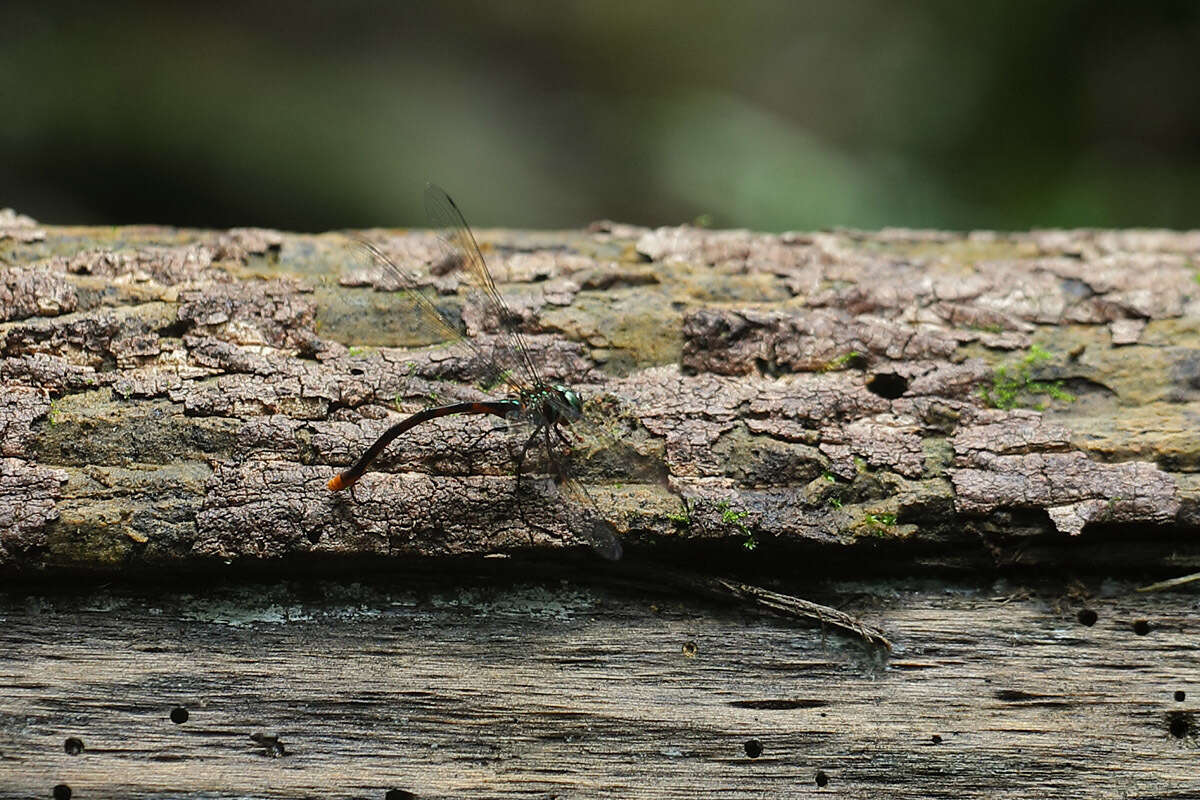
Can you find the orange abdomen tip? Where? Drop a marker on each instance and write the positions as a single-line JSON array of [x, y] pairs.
[[337, 483]]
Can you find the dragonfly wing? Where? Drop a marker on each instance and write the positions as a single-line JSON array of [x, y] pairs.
[[604, 433], [460, 249], [430, 320], [585, 518]]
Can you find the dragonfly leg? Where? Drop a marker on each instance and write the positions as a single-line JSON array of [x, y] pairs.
[[550, 447], [517, 489], [562, 437]]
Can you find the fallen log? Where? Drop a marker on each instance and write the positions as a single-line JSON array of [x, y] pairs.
[[174, 397], [824, 414]]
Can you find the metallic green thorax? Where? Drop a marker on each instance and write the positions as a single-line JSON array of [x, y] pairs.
[[553, 403]]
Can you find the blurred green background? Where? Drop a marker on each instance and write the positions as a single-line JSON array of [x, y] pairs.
[[769, 115]]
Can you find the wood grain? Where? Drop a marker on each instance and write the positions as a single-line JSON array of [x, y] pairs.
[[560, 689]]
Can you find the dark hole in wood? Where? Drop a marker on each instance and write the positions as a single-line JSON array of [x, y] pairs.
[[888, 385], [399, 794], [1178, 727], [822, 779], [1087, 617], [766, 367], [175, 330], [689, 649], [1180, 695], [62, 792], [936, 739], [73, 745], [179, 715], [753, 748], [1141, 627]]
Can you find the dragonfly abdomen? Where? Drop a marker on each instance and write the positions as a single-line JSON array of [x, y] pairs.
[[347, 478]]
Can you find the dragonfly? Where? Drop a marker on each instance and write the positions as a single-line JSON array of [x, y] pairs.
[[552, 412]]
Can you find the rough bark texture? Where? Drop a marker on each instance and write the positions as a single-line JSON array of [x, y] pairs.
[[172, 397]]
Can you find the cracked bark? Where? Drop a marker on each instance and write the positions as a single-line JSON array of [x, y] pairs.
[[174, 398]]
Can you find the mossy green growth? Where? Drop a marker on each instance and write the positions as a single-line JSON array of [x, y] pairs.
[[734, 518], [683, 517], [1012, 384], [880, 524], [842, 361]]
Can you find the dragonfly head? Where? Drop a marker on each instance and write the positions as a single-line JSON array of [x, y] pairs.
[[572, 399]]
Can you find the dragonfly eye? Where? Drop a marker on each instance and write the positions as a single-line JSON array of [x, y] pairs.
[[573, 399]]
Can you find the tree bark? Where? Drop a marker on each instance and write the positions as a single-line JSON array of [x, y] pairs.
[[175, 398]]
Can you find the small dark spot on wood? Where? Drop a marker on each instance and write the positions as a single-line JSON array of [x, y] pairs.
[[822, 779], [689, 649], [779, 704], [753, 748], [1031, 698], [314, 535], [73, 745], [1180, 695], [62, 792], [274, 747], [179, 715], [888, 385], [1087, 617], [357, 371], [399, 794], [1141, 627], [1179, 725], [936, 739]]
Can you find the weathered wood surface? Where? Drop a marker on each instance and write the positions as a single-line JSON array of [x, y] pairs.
[[175, 397], [564, 690]]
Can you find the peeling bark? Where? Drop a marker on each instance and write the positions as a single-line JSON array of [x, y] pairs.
[[172, 397]]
